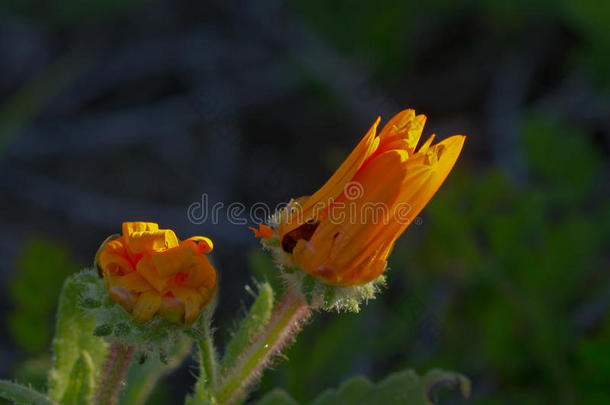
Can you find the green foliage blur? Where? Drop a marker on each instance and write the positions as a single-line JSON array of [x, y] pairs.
[[40, 272], [33, 290], [385, 34]]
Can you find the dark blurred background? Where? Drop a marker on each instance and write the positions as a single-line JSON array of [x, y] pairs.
[[116, 110]]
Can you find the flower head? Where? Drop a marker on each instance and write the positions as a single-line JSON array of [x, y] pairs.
[[344, 233], [148, 271]]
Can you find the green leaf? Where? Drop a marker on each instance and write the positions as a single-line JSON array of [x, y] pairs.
[[73, 335], [350, 392], [250, 326], [81, 383], [22, 395], [405, 387], [143, 378], [278, 397]]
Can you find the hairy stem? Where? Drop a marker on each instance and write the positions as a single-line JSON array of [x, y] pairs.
[[113, 374], [206, 384], [286, 320]]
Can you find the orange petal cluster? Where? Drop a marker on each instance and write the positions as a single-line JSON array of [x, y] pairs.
[[149, 272], [344, 233]]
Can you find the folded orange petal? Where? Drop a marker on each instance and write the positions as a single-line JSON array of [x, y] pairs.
[[201, 275], [133, 282], [172, 309], [175, 260], [203, 244], [148, 271], [147, 305]]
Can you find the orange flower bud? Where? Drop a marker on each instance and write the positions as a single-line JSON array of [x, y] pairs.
[[148, 271], [344, 233]]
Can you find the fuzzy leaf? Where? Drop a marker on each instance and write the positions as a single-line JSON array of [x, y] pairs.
[[405, 387], [22, 395], [81, 383], [73, 335], [277, 397], [250, 326]]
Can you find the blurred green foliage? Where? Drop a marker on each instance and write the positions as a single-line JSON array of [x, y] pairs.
[[366, 31], [40, 273], [33, 290], [384, 34]]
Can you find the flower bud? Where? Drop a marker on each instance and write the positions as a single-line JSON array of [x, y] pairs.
[[343, 234], [149, 272]]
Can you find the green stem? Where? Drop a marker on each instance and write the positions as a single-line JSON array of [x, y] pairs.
[[285, 323], [208, 370], [113, 374]]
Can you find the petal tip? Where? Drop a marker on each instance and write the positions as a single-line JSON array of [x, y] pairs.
[[264, 231]]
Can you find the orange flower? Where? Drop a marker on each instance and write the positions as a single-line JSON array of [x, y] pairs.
[[344, 233], [148, 271]]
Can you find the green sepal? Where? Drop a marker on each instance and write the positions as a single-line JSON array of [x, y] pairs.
[[308, 284], [320, 295], [102, 330], [330, 292], [121, 329], [90, 303]]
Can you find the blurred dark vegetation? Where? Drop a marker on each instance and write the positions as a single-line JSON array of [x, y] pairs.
[[124, 110]]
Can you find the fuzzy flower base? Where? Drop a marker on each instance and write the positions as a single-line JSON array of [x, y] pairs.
[[319, 295]]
